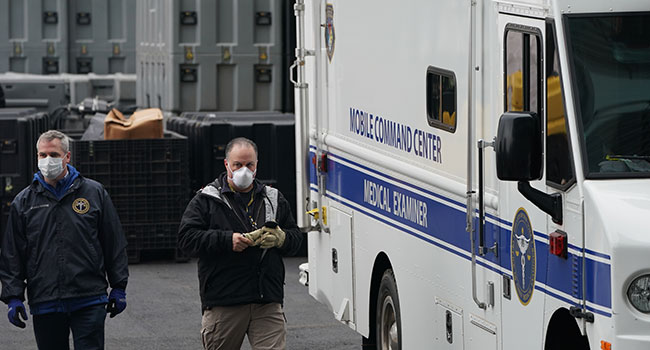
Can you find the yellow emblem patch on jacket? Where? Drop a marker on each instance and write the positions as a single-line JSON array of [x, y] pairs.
[[81, 205]]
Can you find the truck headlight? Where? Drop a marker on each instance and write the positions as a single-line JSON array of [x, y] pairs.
[[639, 293]]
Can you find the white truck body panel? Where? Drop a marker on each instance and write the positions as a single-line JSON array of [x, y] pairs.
[[395, 187]]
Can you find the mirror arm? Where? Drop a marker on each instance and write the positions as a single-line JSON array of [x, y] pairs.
[[551, 204]]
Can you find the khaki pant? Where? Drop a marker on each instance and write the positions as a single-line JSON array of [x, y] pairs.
[[224, 327]]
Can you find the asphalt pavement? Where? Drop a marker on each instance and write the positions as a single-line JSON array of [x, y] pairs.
[[164, 312]]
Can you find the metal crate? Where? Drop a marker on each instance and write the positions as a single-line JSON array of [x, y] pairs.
[[34, 36], [102, 36], [209, 83], [19, 131], [47, 93], [209, 27]]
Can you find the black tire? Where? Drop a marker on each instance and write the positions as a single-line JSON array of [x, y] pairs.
[[388, 323]]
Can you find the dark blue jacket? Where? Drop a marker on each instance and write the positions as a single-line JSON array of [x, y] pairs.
[[61, 248]]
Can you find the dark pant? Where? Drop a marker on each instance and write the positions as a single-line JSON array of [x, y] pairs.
[[53, 330]]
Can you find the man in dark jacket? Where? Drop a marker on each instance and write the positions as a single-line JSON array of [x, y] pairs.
[[63, 240], [239, 229]]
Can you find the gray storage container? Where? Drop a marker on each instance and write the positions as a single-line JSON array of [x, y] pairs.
[[102, 36], [49, 59], [47, 93], [118, 88], [34, 36], [220, 27], [209, 83], [4, 60], [44, 93]]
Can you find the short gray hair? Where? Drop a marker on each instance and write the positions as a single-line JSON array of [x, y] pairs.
[[55, 134], [241, 141]]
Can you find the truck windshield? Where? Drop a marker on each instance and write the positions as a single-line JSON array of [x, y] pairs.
[[610, 61]]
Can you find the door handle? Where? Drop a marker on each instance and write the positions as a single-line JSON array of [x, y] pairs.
[[482, 250]]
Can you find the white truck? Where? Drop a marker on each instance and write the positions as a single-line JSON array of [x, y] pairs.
[[478, 171]]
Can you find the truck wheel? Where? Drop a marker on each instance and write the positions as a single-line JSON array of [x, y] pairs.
[[388, 321]]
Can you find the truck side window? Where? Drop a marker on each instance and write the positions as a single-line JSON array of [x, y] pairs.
[[523, 69], [559, 169], [441, 99]]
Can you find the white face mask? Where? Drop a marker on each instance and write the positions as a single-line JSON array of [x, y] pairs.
[[50, 167], [242, 177]]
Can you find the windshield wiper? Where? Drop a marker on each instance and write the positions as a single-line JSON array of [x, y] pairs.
[[630, 157], [633, 162]]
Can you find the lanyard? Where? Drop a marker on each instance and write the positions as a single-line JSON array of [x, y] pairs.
[[250, 218], [253, 223]]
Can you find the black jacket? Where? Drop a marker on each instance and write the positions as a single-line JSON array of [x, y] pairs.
[[62, 248], [227, 277]]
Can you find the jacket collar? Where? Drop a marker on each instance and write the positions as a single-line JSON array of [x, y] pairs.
[[72, 181]]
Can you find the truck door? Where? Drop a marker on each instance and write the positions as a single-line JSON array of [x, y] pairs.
[[522, 225], [330, 249], [563, 273]]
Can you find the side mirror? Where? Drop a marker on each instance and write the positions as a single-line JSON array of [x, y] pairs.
[[518, 147], [519, 158]]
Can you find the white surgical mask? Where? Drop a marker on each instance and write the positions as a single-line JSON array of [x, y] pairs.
[[50, 167], [242, 177]]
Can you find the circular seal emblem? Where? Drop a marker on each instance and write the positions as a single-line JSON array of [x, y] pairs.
[[522, 256], [80, 206]]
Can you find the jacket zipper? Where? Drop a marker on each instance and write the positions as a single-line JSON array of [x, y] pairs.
[[263, 252], [232, 209], [259, 280]]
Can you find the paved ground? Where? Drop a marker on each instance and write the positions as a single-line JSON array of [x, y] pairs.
[[164, 313]]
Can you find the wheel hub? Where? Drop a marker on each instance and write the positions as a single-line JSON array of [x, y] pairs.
[[389, 334]]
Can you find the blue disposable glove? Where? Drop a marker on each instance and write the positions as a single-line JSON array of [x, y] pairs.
[[116, 302], [17, 309]]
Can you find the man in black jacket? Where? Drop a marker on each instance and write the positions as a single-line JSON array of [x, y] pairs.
[[63, 240], [239, 229]]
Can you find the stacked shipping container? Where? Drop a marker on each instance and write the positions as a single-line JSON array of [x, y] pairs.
[[75, 36], [197, 55]]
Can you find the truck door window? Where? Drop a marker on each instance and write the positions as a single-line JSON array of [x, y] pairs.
[[522, 69], [441, 99], [559, 169], [609, 57]]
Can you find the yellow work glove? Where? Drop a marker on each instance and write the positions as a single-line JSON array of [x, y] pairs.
[[272, 237], [255, 236]]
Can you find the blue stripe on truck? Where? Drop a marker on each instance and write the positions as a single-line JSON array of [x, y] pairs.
[[440, 221]]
